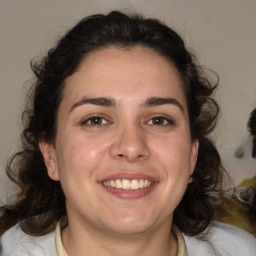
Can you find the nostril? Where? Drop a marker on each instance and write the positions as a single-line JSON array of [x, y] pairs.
[[123, 156], [129, 150]]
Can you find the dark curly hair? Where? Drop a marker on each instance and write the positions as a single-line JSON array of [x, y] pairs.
[[251, 125], [252, 129], [41, 201]]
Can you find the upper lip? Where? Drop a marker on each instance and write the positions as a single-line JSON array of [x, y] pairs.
[[128, 176]]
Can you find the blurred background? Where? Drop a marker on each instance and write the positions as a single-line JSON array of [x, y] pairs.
[[220, 32]]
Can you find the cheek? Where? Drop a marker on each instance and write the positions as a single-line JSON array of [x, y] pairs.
[[78, 159], [174, 149], [174, 155], [79, 153]]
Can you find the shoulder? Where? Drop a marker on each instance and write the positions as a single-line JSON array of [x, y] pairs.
[[224, 240], [14, 242]]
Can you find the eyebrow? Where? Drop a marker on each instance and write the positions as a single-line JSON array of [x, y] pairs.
[[158, 101], [109, 102], [100, 101]]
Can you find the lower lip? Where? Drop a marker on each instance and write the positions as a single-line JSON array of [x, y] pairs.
[[130, 193]]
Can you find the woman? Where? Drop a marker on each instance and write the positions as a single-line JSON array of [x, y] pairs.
[[116, 158]]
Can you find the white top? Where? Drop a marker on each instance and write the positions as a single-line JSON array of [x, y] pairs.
[[224, 240], [14, 242]]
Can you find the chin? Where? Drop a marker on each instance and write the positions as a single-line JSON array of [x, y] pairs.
[[130, 229], [130, 224]]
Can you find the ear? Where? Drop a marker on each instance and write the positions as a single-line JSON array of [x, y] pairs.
[[194, 154], [50, 160]]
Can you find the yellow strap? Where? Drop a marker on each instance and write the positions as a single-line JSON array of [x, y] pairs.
[[59, 246], [182, 249]]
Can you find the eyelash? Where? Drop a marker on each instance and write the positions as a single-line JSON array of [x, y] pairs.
[[153, 121], [164, 121], [94, 118]]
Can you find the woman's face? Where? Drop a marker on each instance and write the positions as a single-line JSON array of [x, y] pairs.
[[123, 151]]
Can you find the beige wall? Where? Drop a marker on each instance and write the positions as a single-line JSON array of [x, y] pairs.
[[221, 32]]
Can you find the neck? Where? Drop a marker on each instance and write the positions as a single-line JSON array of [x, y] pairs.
[[87, 241]]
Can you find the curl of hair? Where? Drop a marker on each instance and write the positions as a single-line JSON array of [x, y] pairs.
[[252, 123], [252, 212], [41, 201]]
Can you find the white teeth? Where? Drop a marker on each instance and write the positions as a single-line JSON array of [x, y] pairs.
[[141, 183], [112, 184], [118, 184], [134, 184], [128, 184]]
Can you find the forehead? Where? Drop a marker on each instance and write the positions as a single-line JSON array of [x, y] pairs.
[[127, 73]]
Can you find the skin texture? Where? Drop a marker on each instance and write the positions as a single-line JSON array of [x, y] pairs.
[[133, 136]]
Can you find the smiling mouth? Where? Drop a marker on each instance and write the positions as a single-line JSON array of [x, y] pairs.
[[126, 184]]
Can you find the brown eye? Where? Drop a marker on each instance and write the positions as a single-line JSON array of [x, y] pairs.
[[160, 121], [95, 121]]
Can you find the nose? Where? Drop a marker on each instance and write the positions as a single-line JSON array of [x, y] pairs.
[[130, 145]]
